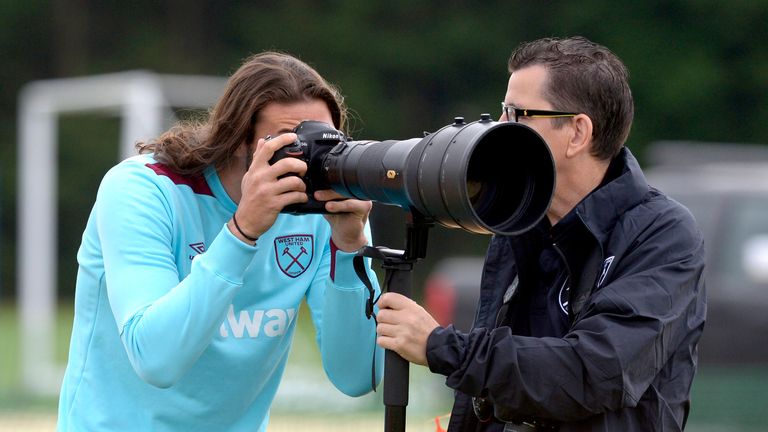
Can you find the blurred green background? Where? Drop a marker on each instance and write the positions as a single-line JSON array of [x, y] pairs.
[[699, 72]]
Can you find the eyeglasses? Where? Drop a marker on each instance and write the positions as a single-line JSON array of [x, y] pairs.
[[515, 112]]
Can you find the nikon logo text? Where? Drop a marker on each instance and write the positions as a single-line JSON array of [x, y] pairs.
[[331, 136]]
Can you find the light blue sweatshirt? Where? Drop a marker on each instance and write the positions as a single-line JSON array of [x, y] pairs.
[[180, 326]]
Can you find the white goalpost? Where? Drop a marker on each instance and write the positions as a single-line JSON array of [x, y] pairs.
[[144, 101]]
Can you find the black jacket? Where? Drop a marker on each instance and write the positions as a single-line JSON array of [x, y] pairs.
[[634, 261]]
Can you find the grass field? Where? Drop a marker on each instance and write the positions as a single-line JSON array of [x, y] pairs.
[[724, 399]]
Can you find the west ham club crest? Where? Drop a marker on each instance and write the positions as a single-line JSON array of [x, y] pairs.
[[294, 253]]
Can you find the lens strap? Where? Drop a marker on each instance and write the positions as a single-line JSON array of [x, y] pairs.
[[358, 263]]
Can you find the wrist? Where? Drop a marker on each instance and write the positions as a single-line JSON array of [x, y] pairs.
[[350, 246], [342, 269], [241, 234]]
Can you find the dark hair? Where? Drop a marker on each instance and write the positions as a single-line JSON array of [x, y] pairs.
[[587, 78], [268, 77]]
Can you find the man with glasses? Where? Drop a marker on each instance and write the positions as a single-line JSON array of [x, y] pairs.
[[591, 320]]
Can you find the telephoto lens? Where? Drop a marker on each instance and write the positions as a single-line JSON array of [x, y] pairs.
[[484, 177]]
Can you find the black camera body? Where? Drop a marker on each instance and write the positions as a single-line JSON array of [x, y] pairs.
[[485, 177], [314, 141]]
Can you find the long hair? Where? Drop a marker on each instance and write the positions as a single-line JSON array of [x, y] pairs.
[[587, 78], [189, 147]]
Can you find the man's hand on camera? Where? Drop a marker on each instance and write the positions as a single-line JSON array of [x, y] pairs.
[[404, 327], [347, 218], [264, 193]]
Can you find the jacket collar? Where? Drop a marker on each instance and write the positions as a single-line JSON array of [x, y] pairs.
[[583, 231], [625, 187]]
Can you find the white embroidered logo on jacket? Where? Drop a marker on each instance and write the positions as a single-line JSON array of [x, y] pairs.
[[251, 324]]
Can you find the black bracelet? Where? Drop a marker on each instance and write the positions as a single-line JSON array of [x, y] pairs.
[[253, 239]]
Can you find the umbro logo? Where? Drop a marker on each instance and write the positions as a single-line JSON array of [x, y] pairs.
[[198, 248]]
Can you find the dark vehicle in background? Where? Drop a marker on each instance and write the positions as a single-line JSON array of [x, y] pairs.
[[730, 202], [726, 189]]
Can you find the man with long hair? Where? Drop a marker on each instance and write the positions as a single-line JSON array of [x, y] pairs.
[[190, 277]]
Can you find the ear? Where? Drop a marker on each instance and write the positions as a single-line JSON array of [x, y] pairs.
[[581, 139]]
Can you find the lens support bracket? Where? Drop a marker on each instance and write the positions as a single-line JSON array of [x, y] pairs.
[[398, 266]]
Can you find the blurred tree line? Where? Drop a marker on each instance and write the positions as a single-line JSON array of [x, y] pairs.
[[698, 72]]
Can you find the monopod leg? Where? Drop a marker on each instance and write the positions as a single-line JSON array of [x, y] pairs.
[[395, 367]]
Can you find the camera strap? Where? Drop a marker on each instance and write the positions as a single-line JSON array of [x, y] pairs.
[[358, 263]]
